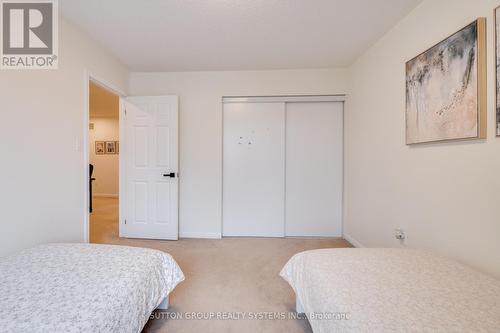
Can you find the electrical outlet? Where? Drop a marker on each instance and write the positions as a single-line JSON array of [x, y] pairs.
[[399, 234]]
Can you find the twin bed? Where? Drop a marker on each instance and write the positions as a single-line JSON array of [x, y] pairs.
[[104, 288], [84, 288], [391, 290]]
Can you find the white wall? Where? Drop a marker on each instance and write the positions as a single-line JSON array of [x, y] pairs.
[[447, 195], [41, 178], [105, 165], [200, 113]]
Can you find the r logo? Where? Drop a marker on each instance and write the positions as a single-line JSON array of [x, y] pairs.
[[27, 28], [29, 34]]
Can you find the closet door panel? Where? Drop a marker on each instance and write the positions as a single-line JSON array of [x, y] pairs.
[[254, 169], [314, 169]]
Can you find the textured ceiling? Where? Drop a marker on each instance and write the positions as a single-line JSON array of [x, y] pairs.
[[188, 35]]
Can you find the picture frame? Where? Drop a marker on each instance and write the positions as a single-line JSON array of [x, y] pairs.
[[110, 147], [446, 88], [100, 148]]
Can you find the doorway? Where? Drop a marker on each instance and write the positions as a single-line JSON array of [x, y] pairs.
[[104, 165], [143, 143]]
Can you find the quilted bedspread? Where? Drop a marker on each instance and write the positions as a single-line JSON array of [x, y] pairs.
[[392, 290], [83, 288]]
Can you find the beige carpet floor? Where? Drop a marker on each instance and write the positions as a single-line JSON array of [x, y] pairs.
[[231, 277]]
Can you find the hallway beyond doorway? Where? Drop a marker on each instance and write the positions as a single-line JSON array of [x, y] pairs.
[[104, 220]]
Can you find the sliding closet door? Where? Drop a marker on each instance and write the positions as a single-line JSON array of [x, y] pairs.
[[314, 169], [254, 169]]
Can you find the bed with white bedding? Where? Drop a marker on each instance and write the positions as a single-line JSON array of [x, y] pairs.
[[83, 288], [392, 290]]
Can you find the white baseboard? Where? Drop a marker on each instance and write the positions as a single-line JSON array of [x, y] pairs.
[[353, 241], [104, 195], [206, 235]]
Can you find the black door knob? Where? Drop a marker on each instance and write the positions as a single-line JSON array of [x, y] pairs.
[[171, 175]]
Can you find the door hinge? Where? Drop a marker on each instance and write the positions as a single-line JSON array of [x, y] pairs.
[[125, 221]]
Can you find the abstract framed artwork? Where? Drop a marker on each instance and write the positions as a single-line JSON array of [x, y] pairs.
[[446, 88], [100, 148], [497, 65]]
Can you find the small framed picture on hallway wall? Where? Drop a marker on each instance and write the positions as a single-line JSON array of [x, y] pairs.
[[110, 147], [99, 148]]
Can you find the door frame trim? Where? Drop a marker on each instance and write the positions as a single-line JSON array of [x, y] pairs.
[[88, 77]]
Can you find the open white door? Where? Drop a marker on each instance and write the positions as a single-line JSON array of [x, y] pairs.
[[149, 198]]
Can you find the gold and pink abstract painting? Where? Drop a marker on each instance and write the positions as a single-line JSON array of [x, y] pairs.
[[444, 89]]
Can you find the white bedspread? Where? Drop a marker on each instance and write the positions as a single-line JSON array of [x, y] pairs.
[[392, 290], [83, 288]]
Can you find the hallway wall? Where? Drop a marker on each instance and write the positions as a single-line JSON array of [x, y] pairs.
[[105, 165]]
